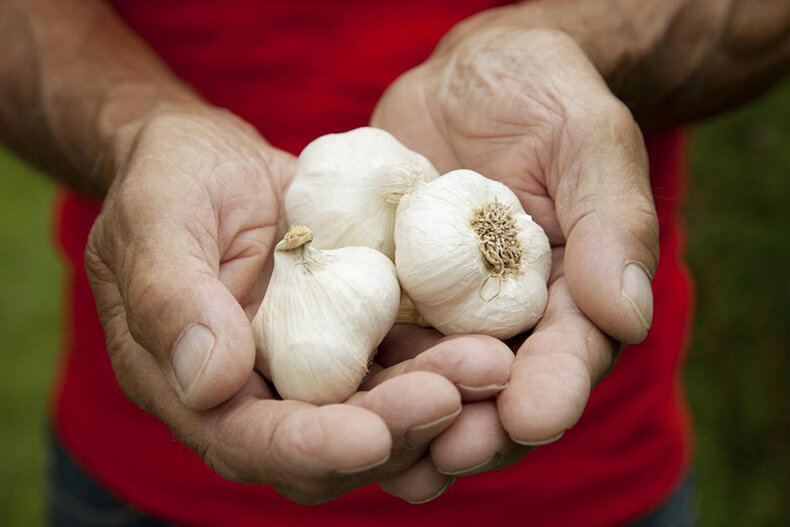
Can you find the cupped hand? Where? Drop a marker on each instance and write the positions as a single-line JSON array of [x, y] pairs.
[[527, 108], [178, 261]]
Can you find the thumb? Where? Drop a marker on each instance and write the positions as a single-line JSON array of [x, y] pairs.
[[606, 211], [178, 309]]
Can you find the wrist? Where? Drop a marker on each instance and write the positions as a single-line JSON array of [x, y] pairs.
[[602, 46], [670, 61], [185, 131], [124, 113]]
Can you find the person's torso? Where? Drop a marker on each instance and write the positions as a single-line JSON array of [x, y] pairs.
[[297, 70]]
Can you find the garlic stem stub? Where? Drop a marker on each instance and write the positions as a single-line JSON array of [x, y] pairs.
[[470, 258], [347, 186], [323, 315]]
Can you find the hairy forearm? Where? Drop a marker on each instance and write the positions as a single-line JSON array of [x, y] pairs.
[[74, 81], [671, 61]]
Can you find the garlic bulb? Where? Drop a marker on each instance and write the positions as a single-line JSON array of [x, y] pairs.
[[323, 316], [346, 187], [470, 258]]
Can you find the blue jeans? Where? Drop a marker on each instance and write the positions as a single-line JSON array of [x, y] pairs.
[[77, 500]]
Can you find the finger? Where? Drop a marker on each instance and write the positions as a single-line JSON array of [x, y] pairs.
[[267, 440], [416, 407], [420, 484], [311, 454], [554, 372], [476, 442], [176, 305], [478, 365], [605, 208]]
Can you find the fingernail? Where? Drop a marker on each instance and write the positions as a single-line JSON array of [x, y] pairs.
[[490, 463], [191, 353], [539, 442], [486, 388], [441, 491], [636, 288], [357, 470], [419, 436]]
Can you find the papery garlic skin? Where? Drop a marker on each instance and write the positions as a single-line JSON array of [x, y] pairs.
[[408, 314], [347, 186], [322, 317], [442, 267]]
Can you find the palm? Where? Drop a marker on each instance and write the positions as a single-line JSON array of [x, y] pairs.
[[502, 110]]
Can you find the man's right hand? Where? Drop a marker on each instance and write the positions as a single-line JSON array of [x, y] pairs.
[[178, 261]]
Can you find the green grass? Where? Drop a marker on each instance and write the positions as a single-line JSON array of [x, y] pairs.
[[739, 224], [739, 250], [30, 323]]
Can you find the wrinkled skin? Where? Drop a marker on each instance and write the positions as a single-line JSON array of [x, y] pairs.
[[528, 109], [185, 236]]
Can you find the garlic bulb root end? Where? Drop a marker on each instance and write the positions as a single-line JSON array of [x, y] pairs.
[[497, 232]]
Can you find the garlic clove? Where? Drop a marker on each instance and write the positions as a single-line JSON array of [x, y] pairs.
[[470, 258], [323, 315], [347, 187], [408, 314]]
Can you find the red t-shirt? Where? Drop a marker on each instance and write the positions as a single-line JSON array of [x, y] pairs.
[[297, 70]]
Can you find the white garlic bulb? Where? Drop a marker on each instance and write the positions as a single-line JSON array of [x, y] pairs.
[[346, 187], [470, 258], [323, 316]]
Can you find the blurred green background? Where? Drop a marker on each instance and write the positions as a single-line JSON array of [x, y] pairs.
[[738, 213]]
